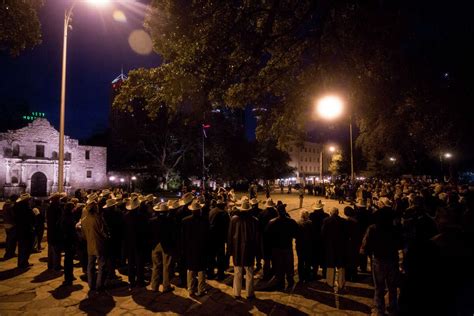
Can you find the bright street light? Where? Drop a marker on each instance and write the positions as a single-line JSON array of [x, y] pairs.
[[98, 3], [112, 178], [393, 159], [122, 180], [448, 155], [332, 149], [134, 178], [329, 107]]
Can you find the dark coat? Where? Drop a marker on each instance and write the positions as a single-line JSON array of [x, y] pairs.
[[281, 231], [219, 225], [244, 242], [195, 239], [354, 240], [136, 230], [265, 217], [305, 238], [53, 217], [24, 220], [94, 231], [163, 230], [334, 235], [317, 217]]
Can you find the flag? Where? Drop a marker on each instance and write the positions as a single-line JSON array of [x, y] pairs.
[[204, 127]]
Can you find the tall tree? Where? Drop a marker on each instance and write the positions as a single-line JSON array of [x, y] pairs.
[[20, 27]]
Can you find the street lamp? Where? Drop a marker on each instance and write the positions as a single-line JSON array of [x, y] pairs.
[[393, 159], [331, 107], [447, 155], [331, 149], [67, 21]]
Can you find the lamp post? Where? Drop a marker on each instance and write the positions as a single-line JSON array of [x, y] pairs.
[[331, 107], [62, 109], [331, 149]]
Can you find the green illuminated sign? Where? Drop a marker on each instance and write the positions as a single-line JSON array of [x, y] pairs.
[[33, 116]]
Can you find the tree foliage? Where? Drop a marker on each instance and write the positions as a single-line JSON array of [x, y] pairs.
[[20, 27], [280, 55]]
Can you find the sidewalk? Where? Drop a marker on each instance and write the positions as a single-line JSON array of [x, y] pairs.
[[39, 292]]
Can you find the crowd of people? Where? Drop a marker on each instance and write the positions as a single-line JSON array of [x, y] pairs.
[[413, 236]]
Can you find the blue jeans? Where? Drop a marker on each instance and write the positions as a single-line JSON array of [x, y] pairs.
[[96, 283], [385, 274]]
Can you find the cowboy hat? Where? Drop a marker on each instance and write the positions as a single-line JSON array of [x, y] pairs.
[[91, 197], [384, 202], [173, 204], [74, 200], [105, 193], [254, 201], [161, 207], [269, 203], [132, 203], [110, 203], [195, 205], [186, 199], [23, 197], [317, 206], [245, 206]]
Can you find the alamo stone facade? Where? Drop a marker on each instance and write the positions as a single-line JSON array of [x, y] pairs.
[[29, 161]]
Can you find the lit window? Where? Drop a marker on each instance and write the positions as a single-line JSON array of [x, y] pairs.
[[89, 174]]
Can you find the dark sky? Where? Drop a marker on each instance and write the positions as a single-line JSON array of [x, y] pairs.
[[98, 48]]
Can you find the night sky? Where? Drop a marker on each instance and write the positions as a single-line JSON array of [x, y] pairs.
[[98, 48]]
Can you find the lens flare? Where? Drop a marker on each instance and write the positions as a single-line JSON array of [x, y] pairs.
[[140, 42], [119, 16]]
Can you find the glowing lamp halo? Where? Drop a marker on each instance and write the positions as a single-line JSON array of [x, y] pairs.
[[329, 107]]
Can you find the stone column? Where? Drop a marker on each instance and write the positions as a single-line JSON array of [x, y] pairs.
[[8, 176], [22, 174]]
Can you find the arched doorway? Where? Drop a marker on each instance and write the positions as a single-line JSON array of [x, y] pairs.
[[39, 184]]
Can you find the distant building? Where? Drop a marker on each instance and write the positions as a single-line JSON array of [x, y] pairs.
[[29, 161], [306, 161]]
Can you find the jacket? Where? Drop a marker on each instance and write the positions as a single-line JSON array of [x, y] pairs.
[[244, 242]]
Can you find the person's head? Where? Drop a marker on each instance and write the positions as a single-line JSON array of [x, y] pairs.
[[334, 211], [281, 209], [348, 211]]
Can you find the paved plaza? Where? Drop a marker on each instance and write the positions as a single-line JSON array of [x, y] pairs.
[[38, 291]]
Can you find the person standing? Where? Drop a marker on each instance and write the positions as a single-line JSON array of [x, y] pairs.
[[24, 222], [334, 236], [264, 218], [10, 227], [244, 245], [69, 237], [219, 227], [281, 231], [135, 224], [182, 212], [317, 217], [354, 240], [301, 195], [53, 216], [163, 230], [39, 229], [382, 242], [195, 240], [94, 230], [304, 247]]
